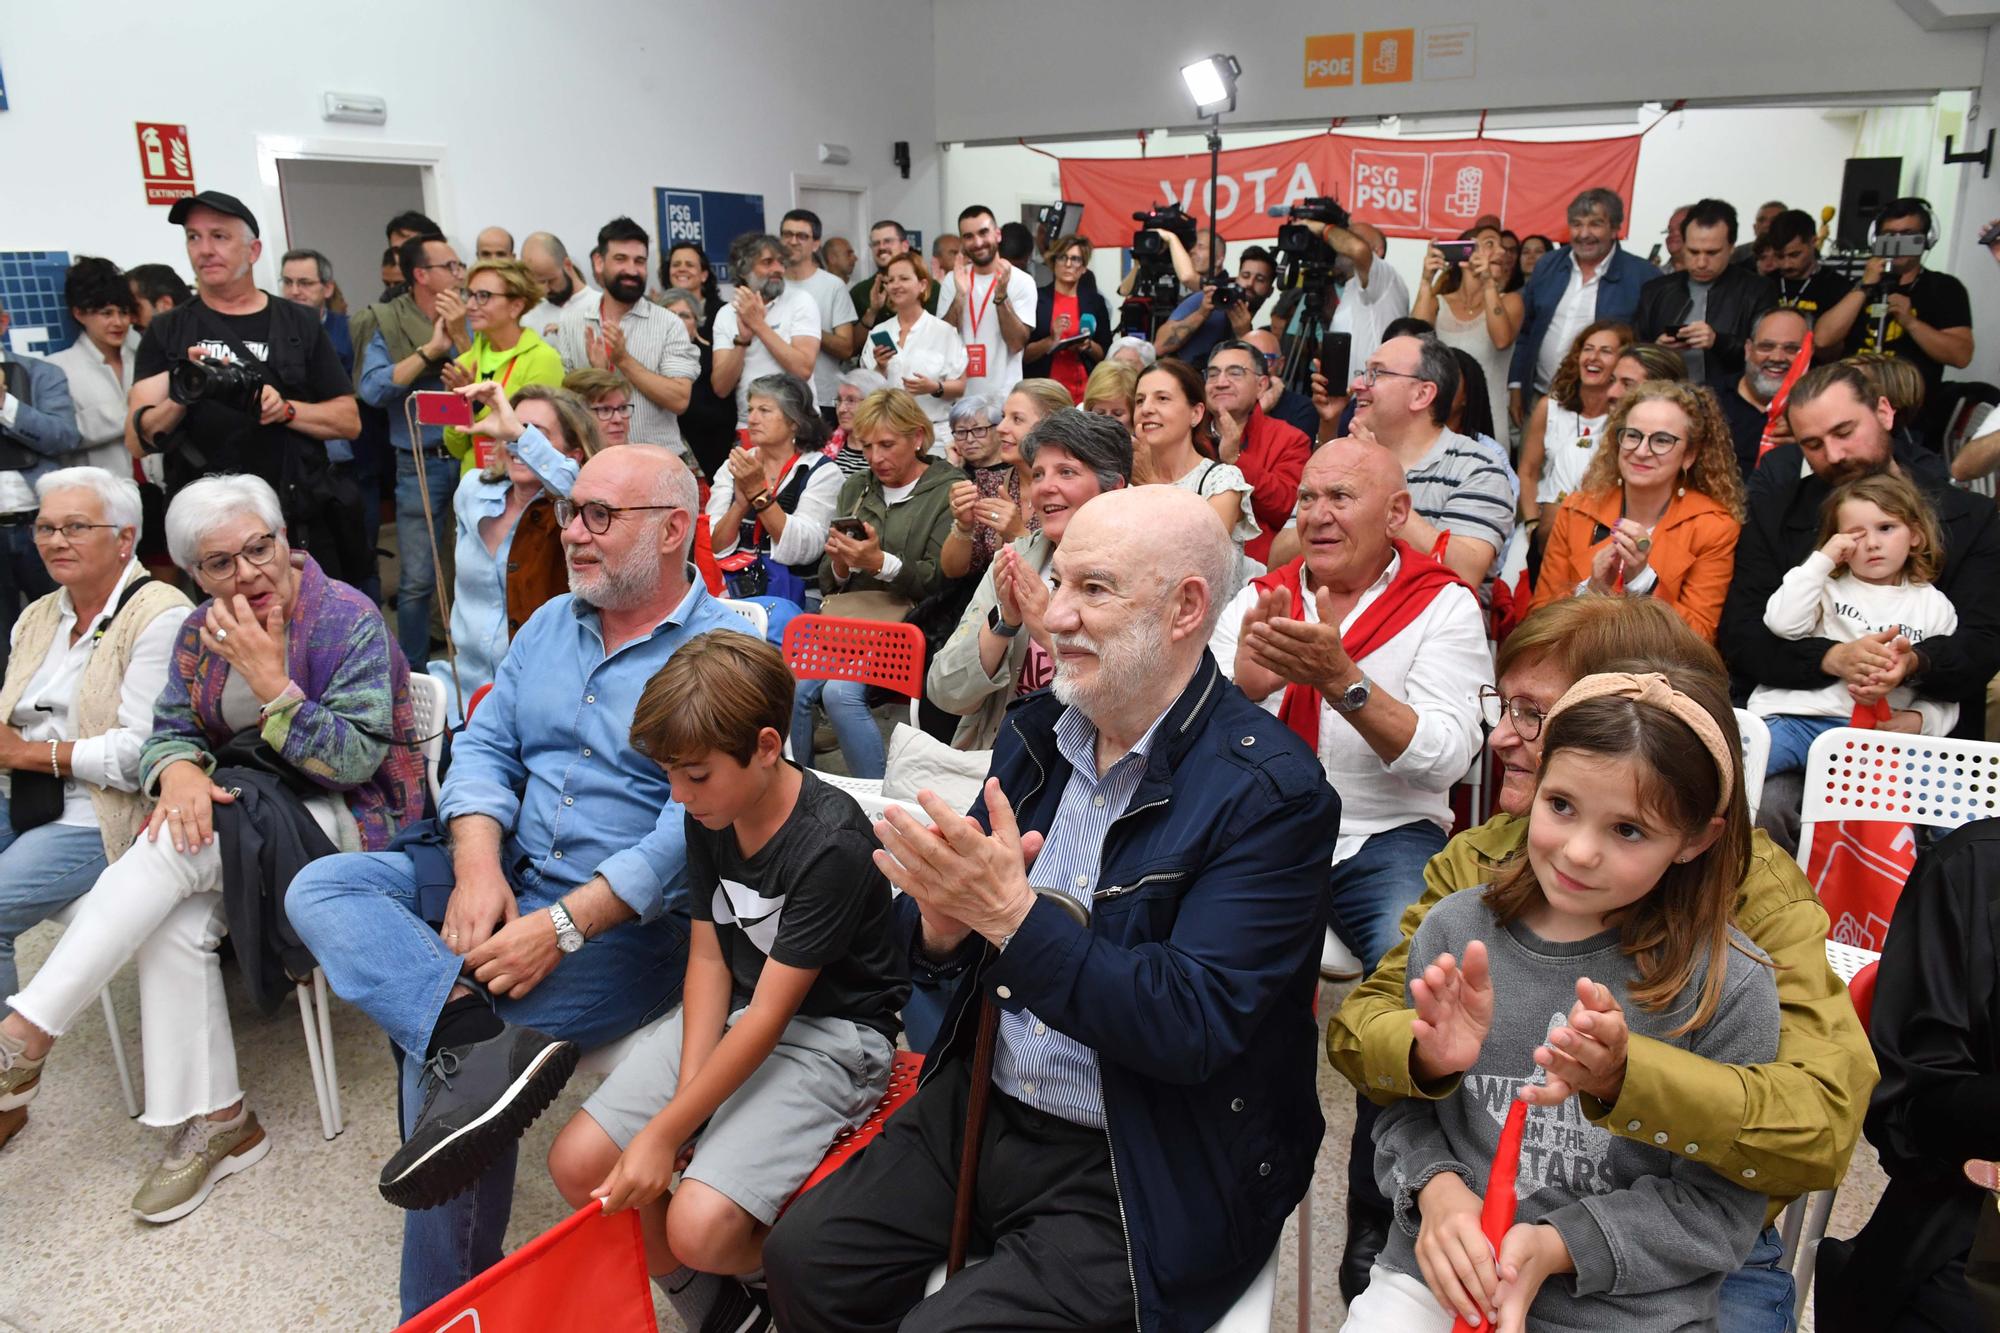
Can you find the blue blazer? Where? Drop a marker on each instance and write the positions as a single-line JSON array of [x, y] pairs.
[[1617, 298], [43, 419], [1193, 981]]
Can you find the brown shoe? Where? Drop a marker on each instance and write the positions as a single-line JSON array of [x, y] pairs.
[[11, 1123]]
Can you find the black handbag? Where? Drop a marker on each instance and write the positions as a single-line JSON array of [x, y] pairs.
[[37, 795]]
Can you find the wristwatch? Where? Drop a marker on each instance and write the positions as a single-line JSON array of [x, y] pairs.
[[760, 502], [999, 626], [1354, 698], [568, 938]]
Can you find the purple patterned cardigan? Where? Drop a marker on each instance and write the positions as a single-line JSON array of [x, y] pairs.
[[353, 677]]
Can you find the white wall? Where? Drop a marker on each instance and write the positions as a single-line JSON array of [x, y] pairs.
[[1112, 64], [1978, 202], [548, 118]]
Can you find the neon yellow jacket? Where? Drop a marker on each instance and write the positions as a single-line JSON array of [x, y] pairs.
[[528, 361]]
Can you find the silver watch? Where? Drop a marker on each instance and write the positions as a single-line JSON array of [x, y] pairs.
[[1355, 697], [568, 938]]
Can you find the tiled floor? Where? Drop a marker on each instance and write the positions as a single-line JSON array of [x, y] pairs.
[[303, 1240]]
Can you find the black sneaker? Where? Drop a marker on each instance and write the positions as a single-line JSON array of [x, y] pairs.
[[478, 1099], [738, 1309]]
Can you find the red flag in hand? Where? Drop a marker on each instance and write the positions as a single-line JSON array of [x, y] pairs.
[[1776, 410], [1496, 1213]]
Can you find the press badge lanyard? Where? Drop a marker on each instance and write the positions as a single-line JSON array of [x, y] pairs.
[[972, 299]]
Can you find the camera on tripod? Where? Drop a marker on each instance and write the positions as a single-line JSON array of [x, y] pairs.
[[1296, 239], [1167, 217], [1155, 287], [239, 388]]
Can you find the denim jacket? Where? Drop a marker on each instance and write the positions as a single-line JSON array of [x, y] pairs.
[[1193, 981]]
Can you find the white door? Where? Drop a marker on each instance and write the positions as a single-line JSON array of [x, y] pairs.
[[340, 208], [839, 208]]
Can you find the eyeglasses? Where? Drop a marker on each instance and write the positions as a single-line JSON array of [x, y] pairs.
[[1068, 257], [71, 532], [1659, 443], [802, 237], [1370, 374], [965, 434], [1526, 715], [1765, 349], [596, 515], [259, 551], [454, 266], [1237, 373], [476, 298], [609, 411]]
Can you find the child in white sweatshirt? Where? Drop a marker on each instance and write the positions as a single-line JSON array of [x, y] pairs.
[[1879, 550]]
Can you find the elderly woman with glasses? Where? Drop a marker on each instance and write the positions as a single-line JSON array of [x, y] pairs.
[[608, 395], [843, 447], [1658, 512], [282, 669], [987, 504], [509, 556], [1070, 307], [87, 662], [768, 510]]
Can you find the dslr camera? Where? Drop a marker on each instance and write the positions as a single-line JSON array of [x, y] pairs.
[[239, 388], [1294, 238], [1167, 217]]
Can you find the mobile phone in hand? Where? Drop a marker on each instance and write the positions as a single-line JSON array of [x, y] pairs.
[[1335, 350], [1456, 252], [882, 338], [1991, 236], [443, 409], [850, 527]]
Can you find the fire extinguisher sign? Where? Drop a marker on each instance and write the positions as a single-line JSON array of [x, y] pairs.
[[164, 164]]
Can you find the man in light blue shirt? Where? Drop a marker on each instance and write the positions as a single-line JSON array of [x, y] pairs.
[[562, 841]]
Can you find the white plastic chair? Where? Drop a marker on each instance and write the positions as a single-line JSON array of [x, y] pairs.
[[1756, 737], [428, 703], [753, 612], [132, 1108], [1853, 775]]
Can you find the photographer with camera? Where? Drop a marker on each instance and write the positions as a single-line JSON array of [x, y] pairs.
[[239, 381], [1222, 309], [1900, 307]]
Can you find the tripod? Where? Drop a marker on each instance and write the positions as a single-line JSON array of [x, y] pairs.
[[1307, 331]]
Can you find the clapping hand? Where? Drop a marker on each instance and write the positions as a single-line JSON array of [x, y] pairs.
[[455, 375], [1454, 1007], [1024, 598], [1622, 559], [751, 313], [612, 338], [746, 470], [1300, 652], [1585, 1054]]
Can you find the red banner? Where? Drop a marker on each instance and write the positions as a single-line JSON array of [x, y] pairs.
[[1426, 188], [586, 1274]]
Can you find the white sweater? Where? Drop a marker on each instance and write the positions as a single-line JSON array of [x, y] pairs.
[[1811, 604]]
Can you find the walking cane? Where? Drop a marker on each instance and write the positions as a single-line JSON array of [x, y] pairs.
[[977, 1099]]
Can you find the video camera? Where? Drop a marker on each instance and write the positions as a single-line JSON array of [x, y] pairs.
[[1169, 217], [239, 388], [1894, 245], [1294, 238]]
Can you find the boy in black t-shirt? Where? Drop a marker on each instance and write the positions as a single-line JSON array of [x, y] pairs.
[[789, 1014]]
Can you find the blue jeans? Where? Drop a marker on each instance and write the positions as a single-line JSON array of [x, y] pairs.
[[1757, 1298], [418, 579], [1792, 737], [846, 704], [358, 913], [42, 871], [1369, 890]]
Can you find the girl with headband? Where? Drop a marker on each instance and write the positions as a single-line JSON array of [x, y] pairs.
[[1637, 839]]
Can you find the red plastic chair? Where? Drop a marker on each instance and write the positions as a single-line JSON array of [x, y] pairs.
[[1861, 990], [902, 1086], [473, 703], [872, 652]]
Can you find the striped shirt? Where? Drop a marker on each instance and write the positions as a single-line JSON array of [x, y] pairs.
[[1459, 488], [657, 340], [1033, 1064]]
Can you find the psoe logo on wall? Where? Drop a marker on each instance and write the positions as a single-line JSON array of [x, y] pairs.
[[1330, 60], [1464, 186], [1388, 188]]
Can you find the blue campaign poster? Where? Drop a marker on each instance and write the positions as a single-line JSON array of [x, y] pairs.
[[3, 90], [708, 218]]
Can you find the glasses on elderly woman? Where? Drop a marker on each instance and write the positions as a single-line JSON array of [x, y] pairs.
[[596, 515], [70, 532], [1632, 440], [259, 551], [967, 434], [1527, 717], [607, 411]]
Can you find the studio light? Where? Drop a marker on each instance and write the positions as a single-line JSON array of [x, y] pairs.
[[1211, 82]]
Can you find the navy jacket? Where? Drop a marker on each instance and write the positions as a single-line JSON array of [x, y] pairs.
[[1624, 273], [43, 426], [1193, 982]]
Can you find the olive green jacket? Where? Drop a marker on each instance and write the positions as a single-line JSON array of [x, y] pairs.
[[913, 531], [1782, 1129]]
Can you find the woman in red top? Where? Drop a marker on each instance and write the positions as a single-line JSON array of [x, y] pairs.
[[1065, 306]]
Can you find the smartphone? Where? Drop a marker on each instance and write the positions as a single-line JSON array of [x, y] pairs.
[[883, 338], [443, 409], [850, 527], [1991, 236], [1456, 252], [1335, 350]]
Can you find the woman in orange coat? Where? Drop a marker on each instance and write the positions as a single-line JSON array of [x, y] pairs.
[[1658, 511]]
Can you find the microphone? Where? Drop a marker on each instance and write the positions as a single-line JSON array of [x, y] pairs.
[[1278, 212]]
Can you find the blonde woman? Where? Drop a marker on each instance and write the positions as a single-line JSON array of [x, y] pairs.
[[498, 292]]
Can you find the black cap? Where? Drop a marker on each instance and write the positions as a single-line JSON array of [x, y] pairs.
[[217, 200]]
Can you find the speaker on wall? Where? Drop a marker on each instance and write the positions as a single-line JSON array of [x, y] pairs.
[[1866, 185]]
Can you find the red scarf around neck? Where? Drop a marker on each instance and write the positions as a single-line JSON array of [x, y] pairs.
[[1418, 580]]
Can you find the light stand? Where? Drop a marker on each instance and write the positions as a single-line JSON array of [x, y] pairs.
[[1211, 82]]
